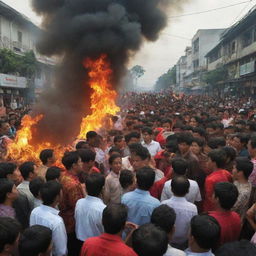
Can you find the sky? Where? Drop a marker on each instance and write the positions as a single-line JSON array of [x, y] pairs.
[[157, 57]]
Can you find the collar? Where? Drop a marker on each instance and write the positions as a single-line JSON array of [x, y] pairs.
[[68, 173], [140, 191], [188, 251], [49, 209], [114, 174], [25, 182], [144, 143], [178, 199], [93, 198], [111, 237]]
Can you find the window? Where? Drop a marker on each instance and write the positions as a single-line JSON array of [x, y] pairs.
[[196, 45], [196, 64], [19, 37], [233, 47], [254, 34], [247, 38]]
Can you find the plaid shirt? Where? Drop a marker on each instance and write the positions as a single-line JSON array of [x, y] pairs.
[[72, 192]]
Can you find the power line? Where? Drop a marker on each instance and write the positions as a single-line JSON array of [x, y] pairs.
[[211, 10], [181, 37]]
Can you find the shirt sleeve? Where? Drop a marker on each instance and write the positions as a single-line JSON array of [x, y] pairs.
[[59, 238], [164, 195], [198, 194], [107, 191]]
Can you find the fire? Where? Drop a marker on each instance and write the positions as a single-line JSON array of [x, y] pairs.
[[103, 96]]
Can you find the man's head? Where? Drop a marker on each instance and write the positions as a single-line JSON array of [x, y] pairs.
[[225, 195], [94, 184], [72, 162], [88, 158], [8, 191], [28, 171], [252, 147], [147, 134], [114, 218], [180, 186], [149, 239], [47, 157], [51, 193], [140, 156], [184, 142], [9, 236], [127, 179], [180, 166], [81, 145], [131, 138], [167, 125], [240, 141], [53, 173], [217, 159], [11, 172], [36, 241], [164, 217], [145, 178], [4, 128], [119, 141], [91, 138], [204, 233], [35, 185], [242, 169]]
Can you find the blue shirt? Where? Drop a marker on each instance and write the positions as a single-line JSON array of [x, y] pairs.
[[140, 206]]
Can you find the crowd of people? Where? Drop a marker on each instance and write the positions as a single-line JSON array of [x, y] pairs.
[[174, 176]]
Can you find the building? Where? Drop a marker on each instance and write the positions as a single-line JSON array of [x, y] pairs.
[[236, 52], [19, 34]]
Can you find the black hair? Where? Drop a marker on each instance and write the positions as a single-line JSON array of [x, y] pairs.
[[6, 187], [231, 153], [164, 121], [35, 185], [200, 142], [126, 178], [9, 231], [81, 144], [131, 135], [243, 164], [113, 157], [216, 142], [185, 137], [219, 157], [49, 191], [35, 240], [7, 168], [227, 194], [206, 231], [114, 218], [27, 168], [86, 155], [237, 248], [201, 131], [118, 138], [149, 239], [70, 158], [140, 151], [91, 135], [53, 173], [94, 184], [116, 150], [147, 130], [45, 155], [180, 165], [180, 186], [252, 140], [243, 138], [145, 178], [164, 217]]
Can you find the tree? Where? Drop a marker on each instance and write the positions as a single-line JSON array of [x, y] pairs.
[[215, 76], [166, 80], [137, 72]]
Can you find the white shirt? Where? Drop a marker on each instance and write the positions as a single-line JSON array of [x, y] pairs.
[[23, 188], [153, 147], [192, 196], [48, 217], [190, 253], [174, 252], [184, 212], [88, 216], [126, 164]]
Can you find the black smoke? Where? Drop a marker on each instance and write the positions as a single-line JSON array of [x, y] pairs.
[[75, 29]]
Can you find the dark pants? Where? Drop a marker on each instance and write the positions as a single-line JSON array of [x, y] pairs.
[[74, 245]]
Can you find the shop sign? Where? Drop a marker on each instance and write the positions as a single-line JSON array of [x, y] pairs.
[[247, 68], [13, 81]]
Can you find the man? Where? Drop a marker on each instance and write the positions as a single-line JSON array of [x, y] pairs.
[[131, 138], [72, 192], [216, 163], [139, 202], [184, 211], [91, 139], [8, 194], [127, 181], [240, 142], [36, 241], [88, 212], [9, 236], [180, 167], [4, 136], [28, 172], [109, 243], [47, 215], [252, 152], [119, 142], [148, 142], [34, 186], [242, 170], [149, 239], [48, 159], [204, 236], [164, 217], [225, 196]]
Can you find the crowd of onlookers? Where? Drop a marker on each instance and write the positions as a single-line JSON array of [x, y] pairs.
[[176, 175]]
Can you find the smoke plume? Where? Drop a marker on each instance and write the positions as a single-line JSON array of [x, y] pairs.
[[75, 29]]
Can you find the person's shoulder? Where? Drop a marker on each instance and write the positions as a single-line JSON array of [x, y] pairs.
[[91, 241], [80, 202], [154, 200], [191, 206], [235, 216], [193, 183], [128, 195], [168, 183]]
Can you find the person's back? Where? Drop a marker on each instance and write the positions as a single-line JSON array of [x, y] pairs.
[[225, 197], [109, 243], [88, 211], [139, 202]]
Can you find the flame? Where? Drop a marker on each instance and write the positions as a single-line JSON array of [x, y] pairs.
[[103, 96]]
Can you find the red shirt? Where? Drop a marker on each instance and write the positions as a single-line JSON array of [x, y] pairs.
[[106, 245], [72, 191], [211, 180], [157, 188], [230, 223]]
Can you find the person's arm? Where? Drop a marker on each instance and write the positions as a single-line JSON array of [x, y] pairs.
[[130, 227], [250, 216], [59, 238], [164, 195], [106, 193]]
